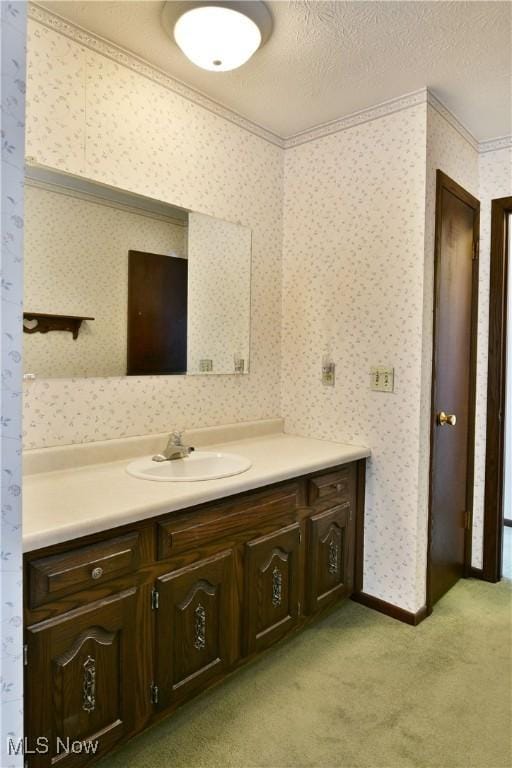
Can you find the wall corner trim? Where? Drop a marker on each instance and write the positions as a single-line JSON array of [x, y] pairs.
[[493, 145], [436, 103], [389, 609], [388, 107]]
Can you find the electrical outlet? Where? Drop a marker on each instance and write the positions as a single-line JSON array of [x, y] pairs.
[[328, 374], [382, 379]]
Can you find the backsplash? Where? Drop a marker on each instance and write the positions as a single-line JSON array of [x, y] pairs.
[[187, 156]]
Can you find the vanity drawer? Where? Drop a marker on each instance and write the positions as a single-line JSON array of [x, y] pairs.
[[228, 521], [333, 487], [53, 577]]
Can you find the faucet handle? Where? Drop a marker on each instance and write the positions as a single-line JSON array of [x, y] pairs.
[[177, 437]]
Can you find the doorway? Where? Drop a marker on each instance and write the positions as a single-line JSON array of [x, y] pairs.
[[498, 484], [453, 387], [157, 314]]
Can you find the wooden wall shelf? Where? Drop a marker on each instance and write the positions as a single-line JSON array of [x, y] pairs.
[[46, 323]]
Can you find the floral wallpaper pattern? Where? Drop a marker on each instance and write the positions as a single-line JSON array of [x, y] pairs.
[[12, 117], [76, 263], [353, 251], [450, 151], [56, 99], [184, 155], [495, 181], [219, 289], [356, 276]]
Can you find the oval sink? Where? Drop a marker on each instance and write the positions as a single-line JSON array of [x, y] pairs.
[[200, 465]]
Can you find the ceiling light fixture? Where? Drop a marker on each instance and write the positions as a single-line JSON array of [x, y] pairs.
[[218, 36]]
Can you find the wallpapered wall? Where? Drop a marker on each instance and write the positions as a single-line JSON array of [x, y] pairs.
[[76, 263], [449, 150], [219, 289], [12, 39], [495, 181], [353, 286], [357, 264], [185, 155], [486, 175]]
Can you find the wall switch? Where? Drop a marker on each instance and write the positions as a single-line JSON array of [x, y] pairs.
[[382, 378]]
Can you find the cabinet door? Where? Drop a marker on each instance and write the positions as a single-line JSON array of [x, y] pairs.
[[271, 587], [197, 627], [330, 556], [80, 681]]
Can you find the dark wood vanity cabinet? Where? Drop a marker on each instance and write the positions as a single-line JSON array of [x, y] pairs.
[[81, 679], [330, 558], [122, 629], [196, 627], [272, 584]]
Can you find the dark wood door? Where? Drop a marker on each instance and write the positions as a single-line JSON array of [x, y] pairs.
[[80, 680], [157, 314], [453, 387], [196, 627], [330, 556], [271, 598]]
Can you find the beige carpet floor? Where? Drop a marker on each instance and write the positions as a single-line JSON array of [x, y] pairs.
[[358, 690]]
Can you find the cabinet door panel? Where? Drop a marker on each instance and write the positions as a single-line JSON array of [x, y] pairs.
[[79, 678], [197, 626], [330, 556], [271, 587]]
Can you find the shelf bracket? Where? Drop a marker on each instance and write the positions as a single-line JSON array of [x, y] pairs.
[[40, 322]]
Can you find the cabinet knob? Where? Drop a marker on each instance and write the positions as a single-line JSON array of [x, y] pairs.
[[97, 572], [339, 487]]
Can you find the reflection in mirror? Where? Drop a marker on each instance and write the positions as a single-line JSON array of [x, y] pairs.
[[219, 314], [118, 284]]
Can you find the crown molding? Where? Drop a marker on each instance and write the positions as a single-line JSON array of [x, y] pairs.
[[443, 110], [358, 118], [132, 61], [493, 145]]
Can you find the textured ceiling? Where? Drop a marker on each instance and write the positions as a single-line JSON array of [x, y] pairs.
[[328, 59]]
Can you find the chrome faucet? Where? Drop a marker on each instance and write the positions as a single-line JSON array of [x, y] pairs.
[[175, 449]]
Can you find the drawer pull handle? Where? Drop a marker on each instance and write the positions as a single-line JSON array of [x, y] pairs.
[[277, 587], [332, 562], [339, 487], [97, 572], [200, 628], [89, 685]]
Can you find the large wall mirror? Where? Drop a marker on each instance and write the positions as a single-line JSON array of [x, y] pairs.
[[118, 284]]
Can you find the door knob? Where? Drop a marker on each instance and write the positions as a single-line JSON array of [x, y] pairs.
[[446, 419]]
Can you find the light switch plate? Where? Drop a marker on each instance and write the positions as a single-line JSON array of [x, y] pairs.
[[328, 374], [382, 378]]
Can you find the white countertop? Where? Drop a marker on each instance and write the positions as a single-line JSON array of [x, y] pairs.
[[69, 503]]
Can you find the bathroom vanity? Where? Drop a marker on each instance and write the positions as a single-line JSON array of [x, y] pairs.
[[127, 623]]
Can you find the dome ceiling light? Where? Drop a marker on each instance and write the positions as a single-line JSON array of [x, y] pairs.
[[218, 36]]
